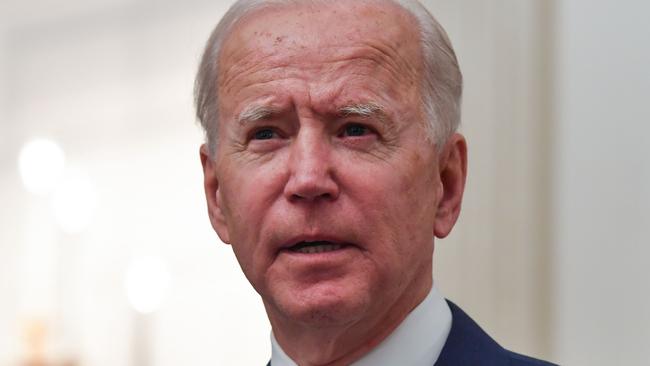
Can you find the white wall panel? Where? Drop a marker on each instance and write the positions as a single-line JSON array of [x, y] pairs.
[[602, 180]]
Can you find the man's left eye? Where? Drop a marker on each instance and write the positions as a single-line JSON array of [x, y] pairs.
[[264, 134], [355, 130]]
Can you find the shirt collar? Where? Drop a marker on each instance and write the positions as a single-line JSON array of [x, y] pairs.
[[417, 341]]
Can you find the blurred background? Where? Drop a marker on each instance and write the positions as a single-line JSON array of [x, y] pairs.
[[106, 254]]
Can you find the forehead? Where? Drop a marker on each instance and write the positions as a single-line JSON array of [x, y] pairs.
[[325, 22], [321, 29], [331, 51]]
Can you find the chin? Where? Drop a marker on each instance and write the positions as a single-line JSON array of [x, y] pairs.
[[323, 305]]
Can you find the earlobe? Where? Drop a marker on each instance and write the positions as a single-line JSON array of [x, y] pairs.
[[212, 196], [452, 166]]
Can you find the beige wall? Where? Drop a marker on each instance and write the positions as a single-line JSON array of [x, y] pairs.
[[495, 263]]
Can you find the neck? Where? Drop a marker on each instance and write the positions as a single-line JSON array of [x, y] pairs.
[[342, 344]]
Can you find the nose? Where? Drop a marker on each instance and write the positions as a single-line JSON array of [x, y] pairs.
[[312, 174]]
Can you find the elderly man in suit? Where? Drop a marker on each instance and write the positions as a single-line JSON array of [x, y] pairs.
[[332, 161]]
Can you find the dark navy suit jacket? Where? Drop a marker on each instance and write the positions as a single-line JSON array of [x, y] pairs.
[[469, 345]]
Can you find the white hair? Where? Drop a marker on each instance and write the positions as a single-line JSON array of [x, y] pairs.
[[441, 88]]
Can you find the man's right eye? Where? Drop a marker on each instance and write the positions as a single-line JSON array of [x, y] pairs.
[[264, 134]]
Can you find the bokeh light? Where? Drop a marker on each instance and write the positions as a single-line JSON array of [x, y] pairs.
[[73, 203], [147, 282], [41, 162]]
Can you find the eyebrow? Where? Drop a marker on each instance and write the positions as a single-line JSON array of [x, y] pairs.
[[255, 113], [365, 110]]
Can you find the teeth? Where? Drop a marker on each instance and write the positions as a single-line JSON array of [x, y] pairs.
[[321, 248]]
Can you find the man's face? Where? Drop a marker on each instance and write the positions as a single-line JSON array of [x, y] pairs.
[[323, 181]]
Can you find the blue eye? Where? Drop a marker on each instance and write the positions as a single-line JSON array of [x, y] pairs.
[[264, 134], [355, 130]]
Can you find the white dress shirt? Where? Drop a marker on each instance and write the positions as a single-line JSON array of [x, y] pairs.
[[418, 341]]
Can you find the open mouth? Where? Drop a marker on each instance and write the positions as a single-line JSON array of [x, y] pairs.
[[313, 247]]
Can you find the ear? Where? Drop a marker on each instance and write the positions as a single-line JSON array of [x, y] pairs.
[[452, 165], [212, 195]]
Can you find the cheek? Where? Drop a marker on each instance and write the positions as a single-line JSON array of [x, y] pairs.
[[403, 188], [398, 202], [244, 211], [251, 187], [249, 192], [419, 184]]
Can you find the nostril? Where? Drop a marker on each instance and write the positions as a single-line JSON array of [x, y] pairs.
[[325, 196]]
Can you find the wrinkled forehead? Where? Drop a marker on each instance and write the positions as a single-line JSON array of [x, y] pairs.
[[319, 25]]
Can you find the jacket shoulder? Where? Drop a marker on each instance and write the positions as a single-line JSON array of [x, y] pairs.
[[517, 359], [467, 344]]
